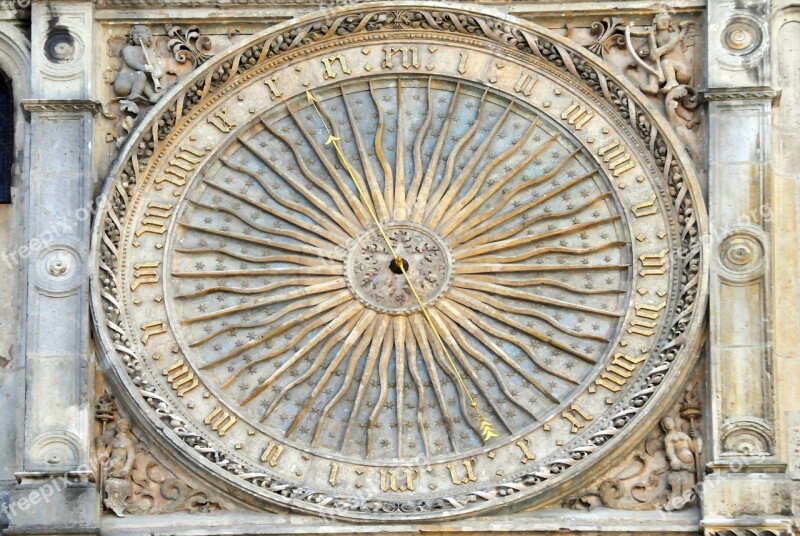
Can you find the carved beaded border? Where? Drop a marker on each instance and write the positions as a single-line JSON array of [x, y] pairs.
[[518, 36]]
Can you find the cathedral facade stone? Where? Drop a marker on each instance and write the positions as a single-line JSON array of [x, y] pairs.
[[301, 267]]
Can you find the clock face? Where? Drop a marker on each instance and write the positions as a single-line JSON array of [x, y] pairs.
[[254, 263], [282, 291]]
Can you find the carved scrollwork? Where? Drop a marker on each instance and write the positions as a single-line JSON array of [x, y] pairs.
[[188, 45], [606, 36], [132, 481], [661, 474]]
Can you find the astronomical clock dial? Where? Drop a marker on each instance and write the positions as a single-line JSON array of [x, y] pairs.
[[399, 275], [285, 292]]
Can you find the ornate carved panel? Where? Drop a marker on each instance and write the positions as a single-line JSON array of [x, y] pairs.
[[131, 480], [400, 264], [141, 75], [662, 472]]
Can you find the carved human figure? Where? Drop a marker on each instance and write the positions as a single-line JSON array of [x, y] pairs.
[[140, 76], [669, 66], [121, 455], [123, 451], [680, 451], [668, 52]]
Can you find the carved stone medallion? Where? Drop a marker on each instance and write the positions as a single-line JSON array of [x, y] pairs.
[[372, 277], [399, 264]]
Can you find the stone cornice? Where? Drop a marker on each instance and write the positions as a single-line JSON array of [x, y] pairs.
[[293, 7], [328, 4]]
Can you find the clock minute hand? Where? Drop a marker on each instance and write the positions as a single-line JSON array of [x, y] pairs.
[[334, 141], [486, 428]]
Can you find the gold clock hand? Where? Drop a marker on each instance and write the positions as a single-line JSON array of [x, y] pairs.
[[333, 140], [487, 431], [486, 428]]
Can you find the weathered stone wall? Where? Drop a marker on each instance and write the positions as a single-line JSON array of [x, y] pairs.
[[15, 62]]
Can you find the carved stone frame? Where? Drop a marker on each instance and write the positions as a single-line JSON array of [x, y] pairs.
[[498, 32]]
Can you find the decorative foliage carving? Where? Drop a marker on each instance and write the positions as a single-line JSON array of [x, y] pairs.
[[606, 35], [187, 45], [371, 282], [131, 480], [662, 473]]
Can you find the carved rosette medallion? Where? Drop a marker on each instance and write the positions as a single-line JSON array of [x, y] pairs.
[[372, 276], [251, 307]]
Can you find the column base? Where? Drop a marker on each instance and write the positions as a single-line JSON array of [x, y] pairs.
[[752, 504], [53, 504]]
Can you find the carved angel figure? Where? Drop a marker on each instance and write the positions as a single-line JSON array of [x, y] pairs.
[[661, 475], [139, 79], [140, 76], [663, 66], [136, 484], [664, 58]]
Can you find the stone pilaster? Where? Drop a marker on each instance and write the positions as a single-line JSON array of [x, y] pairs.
[[747, 489], [786, 176], [55, 494]]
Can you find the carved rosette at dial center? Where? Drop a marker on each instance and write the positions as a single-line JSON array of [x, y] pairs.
[[374, 279]]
